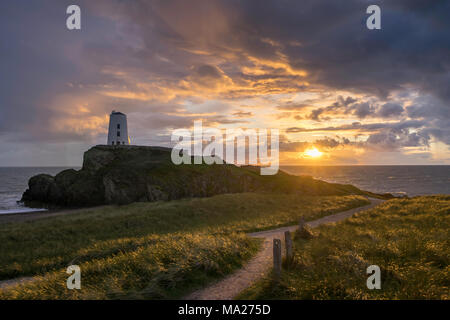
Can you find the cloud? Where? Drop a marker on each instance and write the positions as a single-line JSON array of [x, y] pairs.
[[390, 110], [358, 126], [395, 139], [293, 106], [316, 113], [326, 143], [362, 110], [372, 108], [343, 106], [167, 63], [242, 114]]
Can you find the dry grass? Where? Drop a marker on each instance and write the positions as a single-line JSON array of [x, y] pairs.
[[407, 238], [148, 250]]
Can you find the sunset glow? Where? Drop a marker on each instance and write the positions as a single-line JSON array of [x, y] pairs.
[[312, 153], [332, 101]]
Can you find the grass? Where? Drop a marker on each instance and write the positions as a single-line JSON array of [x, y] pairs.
[[148, 250], [407, 238]]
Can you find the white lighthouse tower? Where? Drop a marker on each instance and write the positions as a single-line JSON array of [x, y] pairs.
[[118, 129]]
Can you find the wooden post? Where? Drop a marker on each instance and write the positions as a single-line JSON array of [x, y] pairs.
[[277, 259], [301, 223], [289, 250]]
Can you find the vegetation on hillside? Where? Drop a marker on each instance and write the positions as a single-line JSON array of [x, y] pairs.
[[148, 250], [409, 239], [127, 174]]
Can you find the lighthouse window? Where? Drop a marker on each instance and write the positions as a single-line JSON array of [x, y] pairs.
[[118, 133], [118, 126]]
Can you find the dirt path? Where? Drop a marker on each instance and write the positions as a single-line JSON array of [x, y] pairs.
[[257, 267]]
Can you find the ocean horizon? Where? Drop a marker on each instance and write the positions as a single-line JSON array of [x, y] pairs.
[[409, 180]]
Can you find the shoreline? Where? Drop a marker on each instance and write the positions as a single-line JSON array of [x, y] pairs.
[[23, 210], [35, 215]]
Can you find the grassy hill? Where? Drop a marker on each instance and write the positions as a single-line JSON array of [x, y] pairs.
[[126, 174], [149, 250], [409, 239]]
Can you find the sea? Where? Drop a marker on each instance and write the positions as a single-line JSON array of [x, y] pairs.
[[398, 180], [14, 181]]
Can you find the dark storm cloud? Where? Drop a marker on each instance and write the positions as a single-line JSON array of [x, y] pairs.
[[394, 139], [325, 143], [390, 109], [165, 52], [382, 136], [357, 126], [26, 70], [343, 106], [337, 49], [435, 113], [386, 140], [41, 62], [362, 110], [209, 72], [315, 114], [326, 38]]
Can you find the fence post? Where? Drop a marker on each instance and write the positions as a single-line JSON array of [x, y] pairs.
[[277, 259], [301, 223], [288, 242]]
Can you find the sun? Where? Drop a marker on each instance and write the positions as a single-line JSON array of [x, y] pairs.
[[312, 153]]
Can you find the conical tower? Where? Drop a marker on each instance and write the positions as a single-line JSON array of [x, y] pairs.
[[118, 129]]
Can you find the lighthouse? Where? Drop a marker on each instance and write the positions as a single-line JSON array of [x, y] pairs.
[[118, 129]]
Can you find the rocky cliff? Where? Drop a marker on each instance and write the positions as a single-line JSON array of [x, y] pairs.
[[125, 174]]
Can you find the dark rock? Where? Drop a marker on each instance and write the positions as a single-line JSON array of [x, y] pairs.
[[39, 188]]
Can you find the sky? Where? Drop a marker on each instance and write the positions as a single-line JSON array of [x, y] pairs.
[[339, 93]]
